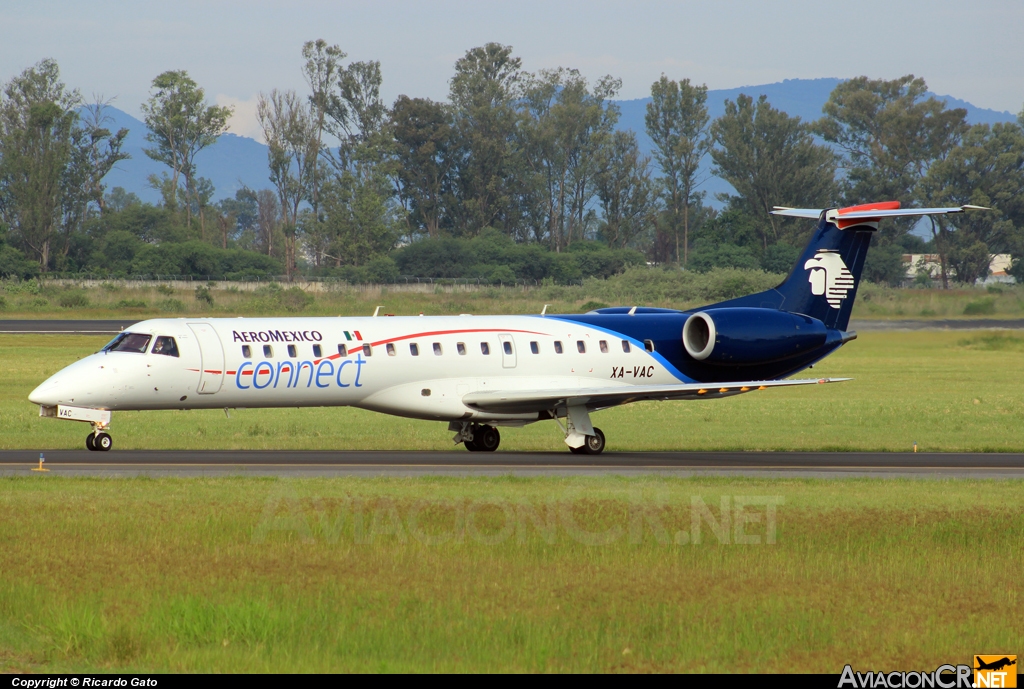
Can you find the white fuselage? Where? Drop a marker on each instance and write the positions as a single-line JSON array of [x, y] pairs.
[[419, 367]]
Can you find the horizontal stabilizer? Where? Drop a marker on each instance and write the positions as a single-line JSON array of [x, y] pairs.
[[866, 213], [523, 401]]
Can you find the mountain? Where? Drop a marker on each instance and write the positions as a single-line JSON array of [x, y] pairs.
[[237, 161], [231, 163]]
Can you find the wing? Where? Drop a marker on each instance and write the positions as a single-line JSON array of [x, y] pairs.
[[524, 401], [868, 214]]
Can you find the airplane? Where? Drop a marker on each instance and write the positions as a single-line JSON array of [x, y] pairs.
[[994, 665], [479, 373]]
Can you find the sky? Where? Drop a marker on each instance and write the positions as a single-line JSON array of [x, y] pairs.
[[235, 50]]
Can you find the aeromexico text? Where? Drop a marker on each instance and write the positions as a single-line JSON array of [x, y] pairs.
[[277, 336]]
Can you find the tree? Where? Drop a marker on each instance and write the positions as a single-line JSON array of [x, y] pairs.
[[180, 125], [422, 131], [889, 135], [986, 169], [565, 125], [677, 122], [359, 218], [292, 151], [321, 69], [484, 93], [770, 159], [51, 162], [625, 189]]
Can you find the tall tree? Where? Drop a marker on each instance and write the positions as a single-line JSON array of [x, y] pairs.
[[566, 123], [422, 130], [292, 150], [51, 163], [180, 125], [625, 189], [677, 121], [771, 159], [987, 169], [321, 69], [889, 134], [484, 94]]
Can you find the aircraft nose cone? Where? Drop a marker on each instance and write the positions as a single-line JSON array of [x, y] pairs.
[[47, 393]]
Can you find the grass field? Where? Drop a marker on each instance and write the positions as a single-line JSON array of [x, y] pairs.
[[505, 574], [639, 286], [947, 391]]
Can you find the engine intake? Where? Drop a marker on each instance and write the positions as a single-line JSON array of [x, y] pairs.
[[750, 336]]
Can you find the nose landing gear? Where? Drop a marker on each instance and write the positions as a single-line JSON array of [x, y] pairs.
[[98, 441]]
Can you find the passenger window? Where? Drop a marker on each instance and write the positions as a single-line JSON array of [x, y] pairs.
[[581, 346], [367, 349], [558, 347], [268, 351], [437, 349], [292, 352], [166, 346], [317, 351], [484, 348], [535, 348], [604, 347], [247, 351], [342, 350], [414, 349], [625, 346], [461, 347], [129, 342], [507, 346], [391, 349], [649, 345]]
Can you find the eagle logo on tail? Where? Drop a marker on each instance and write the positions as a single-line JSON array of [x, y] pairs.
[[829, 277]]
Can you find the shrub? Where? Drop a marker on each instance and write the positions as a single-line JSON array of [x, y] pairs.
[[171, 305], [131, 304], [980, 307], [203, 295], [3, 304], [75, 299], [165, 290]]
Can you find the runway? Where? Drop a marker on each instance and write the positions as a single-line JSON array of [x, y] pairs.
[[110, 327], [831, 465]]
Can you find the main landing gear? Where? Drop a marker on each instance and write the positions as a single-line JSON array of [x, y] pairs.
[[98, 441], [476, 437], [580, 435]]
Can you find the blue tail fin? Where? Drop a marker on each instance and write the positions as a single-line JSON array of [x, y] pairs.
[[823, 283]]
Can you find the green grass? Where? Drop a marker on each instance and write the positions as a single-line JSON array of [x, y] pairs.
[[328, 575], [947, 391], [131, 300]]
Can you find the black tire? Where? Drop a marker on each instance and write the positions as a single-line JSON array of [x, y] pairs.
[[488, 439], [577, 450], [471, 445], [595, 443], [103, 442], [90, 443]]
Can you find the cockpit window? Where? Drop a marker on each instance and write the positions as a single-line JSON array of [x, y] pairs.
[[166, 346], [129, 342]]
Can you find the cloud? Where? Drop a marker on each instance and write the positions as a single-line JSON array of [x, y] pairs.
[[243, 122]]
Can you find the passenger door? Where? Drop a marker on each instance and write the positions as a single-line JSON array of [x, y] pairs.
[[211, 370]]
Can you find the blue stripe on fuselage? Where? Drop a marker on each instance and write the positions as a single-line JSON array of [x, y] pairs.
[[653, 327]]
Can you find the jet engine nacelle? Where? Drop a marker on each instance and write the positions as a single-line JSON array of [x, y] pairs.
[[749, 336]]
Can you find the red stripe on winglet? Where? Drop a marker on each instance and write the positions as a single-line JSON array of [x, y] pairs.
[[878, 206]]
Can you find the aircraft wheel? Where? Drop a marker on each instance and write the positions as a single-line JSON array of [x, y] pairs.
[[487, 440], [90, 442], [595, 443], [471, 444], [103, 442], [578, 450]]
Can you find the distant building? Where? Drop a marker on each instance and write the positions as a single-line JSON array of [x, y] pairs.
[[929, 264]]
